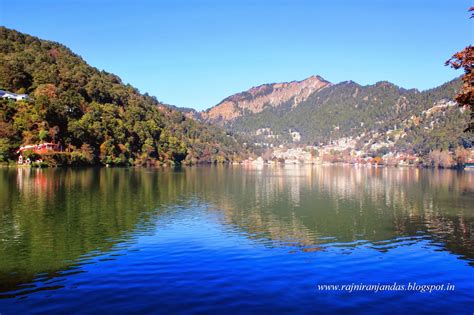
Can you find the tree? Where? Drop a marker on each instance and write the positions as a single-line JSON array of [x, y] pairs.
[[439, 158], [462, 156], [13, 77], [465, 59], [92, 113]]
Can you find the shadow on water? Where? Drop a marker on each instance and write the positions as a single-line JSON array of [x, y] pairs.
[[55, 220]]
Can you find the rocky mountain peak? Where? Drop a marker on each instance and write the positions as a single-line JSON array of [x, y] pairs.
[[260, 97]]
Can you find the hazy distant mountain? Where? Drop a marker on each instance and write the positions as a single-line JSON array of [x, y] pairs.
[[187, 111]]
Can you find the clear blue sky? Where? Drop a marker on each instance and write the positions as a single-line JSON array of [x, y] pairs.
[[195, 53]]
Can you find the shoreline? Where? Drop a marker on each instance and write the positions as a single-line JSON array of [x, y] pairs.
[[235, 164]]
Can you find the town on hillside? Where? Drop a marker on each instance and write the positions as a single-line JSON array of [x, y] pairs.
[[341, 152]]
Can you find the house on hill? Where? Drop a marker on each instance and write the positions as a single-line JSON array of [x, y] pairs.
[[13, 96], [41, 148]]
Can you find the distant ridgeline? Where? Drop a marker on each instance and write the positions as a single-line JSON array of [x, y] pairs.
[[92, 115], [316, 112], [49, 95]]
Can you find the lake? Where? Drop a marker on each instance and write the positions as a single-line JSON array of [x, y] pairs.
[[212, 240]]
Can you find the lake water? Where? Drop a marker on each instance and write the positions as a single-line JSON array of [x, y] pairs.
[[212, 240]]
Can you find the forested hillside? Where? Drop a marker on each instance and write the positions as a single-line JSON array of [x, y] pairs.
[[97, 119], [348, 109], [92, 114]]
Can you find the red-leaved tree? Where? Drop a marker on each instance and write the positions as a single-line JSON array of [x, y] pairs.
[[465, 59]]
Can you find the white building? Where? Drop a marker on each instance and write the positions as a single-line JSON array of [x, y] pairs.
[[13, 96], [295, 136]]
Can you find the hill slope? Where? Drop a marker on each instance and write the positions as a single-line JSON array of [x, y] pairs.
[[343, 110], [91, 113], [263, 97]]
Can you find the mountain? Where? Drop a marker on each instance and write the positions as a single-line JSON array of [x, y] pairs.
[[315, 111], [263, 97], [96, 118], [92, 114]]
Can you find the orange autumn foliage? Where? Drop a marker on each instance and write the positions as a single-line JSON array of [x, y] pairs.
[[465, 59]]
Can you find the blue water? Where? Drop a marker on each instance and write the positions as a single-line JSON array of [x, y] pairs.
[[227, 240]]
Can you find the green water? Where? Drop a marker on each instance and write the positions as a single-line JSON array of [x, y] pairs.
[[205, 239]]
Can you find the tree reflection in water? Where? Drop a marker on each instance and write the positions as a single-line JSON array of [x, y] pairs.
[[54, 219]]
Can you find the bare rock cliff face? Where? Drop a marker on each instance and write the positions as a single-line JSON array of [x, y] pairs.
[[258, 98]]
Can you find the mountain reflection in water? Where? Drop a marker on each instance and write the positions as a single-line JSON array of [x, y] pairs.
[[315, 206], [54, 222]]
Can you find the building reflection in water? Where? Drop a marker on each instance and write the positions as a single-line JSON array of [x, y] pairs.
[[313, 206], [51, 219]]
